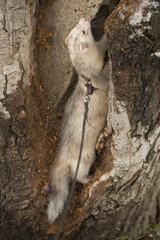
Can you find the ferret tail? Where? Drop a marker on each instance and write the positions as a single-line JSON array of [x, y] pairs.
[[59, 183]]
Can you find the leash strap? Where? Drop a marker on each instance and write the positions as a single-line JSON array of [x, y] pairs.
[[65, 211]]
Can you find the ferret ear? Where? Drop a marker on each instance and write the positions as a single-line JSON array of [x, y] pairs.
[[84, 47], [66, 41]]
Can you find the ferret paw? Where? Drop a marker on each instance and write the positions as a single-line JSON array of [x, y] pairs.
[[84, 180]]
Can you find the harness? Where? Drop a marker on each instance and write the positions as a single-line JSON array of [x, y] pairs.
[[89, 86]]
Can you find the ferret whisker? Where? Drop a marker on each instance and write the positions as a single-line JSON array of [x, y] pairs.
[[98, 30], [96, 21], [96, 27], [90, 124]]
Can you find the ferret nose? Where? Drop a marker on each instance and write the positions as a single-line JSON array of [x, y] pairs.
[[82, 20]]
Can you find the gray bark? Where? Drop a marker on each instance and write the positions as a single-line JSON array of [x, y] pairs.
[[128, 200], [20, 119]]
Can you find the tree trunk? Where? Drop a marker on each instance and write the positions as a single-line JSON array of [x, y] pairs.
[[23, 119], [126, 201], [122, 198]]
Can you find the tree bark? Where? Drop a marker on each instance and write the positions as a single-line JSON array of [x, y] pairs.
[[126, 201], [122, 198], [24, 111]]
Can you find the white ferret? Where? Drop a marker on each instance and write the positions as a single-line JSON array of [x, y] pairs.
[[87, 56]]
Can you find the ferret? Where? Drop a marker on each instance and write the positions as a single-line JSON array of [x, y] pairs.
[[87, 57]]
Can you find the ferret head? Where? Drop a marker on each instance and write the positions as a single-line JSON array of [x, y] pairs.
[[83, 49], [80, 37]]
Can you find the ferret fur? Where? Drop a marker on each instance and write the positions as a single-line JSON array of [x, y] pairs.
[[87, 58]]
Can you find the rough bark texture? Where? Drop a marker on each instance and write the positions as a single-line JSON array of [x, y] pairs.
[[123, 195], [23, 120], [131, 202]]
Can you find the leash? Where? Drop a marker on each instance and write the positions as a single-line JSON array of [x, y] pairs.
[[90, 90]]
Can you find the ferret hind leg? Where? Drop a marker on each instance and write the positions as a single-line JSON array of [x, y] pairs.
[[84, 167]]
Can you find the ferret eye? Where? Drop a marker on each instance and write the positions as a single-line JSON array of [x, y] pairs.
[[84, 32]]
